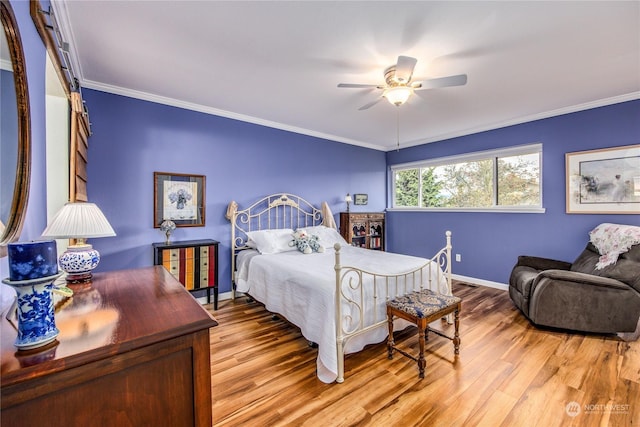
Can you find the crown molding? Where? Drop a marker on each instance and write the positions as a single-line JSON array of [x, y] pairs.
[[6, 65], [525, 119], [145, 96], [66, 30]]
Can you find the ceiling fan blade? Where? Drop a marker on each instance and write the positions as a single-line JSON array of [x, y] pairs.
[[404, 68], [458, 80], [370, 104], [355, 85]]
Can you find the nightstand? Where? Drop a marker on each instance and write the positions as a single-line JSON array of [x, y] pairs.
[[193, 262]]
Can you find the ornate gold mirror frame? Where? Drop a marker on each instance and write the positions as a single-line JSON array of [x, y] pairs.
[[18, 209]]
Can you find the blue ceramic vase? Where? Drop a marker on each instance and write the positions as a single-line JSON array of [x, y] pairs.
[[35, 312], [33, 268]]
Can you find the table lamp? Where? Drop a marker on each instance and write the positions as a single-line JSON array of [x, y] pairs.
[[348, 199], [80, 221]]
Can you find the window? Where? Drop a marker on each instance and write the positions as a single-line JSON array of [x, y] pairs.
[[506, 179]]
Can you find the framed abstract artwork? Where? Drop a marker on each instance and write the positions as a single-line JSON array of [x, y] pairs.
[[179, 198], [605, 181]]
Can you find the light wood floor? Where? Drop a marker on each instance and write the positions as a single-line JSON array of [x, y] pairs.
[[508, 374]]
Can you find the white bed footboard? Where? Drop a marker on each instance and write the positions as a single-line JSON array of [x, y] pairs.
[[361, 295]]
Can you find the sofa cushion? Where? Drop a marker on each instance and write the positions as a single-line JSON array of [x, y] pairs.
[[626, 269]]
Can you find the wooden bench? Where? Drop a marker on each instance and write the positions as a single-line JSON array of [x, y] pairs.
[[422, 308]]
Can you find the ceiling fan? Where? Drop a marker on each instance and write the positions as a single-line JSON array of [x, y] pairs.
[[399, 86]]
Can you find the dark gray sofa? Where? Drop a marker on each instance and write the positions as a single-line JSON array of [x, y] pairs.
[[575, 295]]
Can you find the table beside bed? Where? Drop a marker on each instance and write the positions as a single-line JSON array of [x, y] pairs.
[[193, 262]]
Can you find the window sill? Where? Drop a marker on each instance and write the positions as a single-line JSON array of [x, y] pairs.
[[534, 210]]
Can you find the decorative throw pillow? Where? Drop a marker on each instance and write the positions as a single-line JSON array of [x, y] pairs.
[[613, 240]]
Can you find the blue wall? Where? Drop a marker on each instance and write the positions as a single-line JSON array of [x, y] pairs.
[[491, 242], [241, 161]]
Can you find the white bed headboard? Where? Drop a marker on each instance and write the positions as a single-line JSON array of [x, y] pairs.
[[276, 211], [281, 210]]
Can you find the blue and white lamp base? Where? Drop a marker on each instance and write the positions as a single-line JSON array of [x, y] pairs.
[[35, 311], [78, 261]]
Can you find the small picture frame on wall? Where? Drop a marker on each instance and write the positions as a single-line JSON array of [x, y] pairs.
[[604, 181], [180, 198], [360, 199]]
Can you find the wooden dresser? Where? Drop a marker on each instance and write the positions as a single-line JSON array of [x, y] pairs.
[[133, 350]]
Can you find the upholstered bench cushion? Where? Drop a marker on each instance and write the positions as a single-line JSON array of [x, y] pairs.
[[423, 303]]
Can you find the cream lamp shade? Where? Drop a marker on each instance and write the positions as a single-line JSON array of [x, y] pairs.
[[81, 221]]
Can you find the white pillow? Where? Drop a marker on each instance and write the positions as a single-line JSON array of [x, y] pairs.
[[272, 241], [328, 236]]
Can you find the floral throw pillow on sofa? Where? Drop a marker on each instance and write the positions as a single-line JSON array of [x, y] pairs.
[[613, 240]]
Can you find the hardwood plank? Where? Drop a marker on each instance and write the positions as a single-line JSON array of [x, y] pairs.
[[630, 368], [508, 373], [493, 412]]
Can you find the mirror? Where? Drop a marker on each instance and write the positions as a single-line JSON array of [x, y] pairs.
[[15, 131], [57, 113]]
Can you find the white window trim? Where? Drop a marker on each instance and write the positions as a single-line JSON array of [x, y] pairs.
[[497, 209], [467, 157]]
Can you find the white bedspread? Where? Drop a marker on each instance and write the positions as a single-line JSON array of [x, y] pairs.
[[302, 289]]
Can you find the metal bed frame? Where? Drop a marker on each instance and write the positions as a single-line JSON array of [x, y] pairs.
[[283, 210]]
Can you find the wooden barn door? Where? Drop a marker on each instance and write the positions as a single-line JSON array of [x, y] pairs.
[[80, 132]]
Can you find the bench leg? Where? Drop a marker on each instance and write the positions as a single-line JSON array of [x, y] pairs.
[[390, 342], [456, 337], [422, 326]]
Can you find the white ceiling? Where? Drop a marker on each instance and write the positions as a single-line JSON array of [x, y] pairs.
[[279, 63]]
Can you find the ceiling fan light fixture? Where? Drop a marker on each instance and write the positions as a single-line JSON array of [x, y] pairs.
[[398, 95]]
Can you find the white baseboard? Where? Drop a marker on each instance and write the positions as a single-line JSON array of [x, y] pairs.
[[225, 295], [221, 297], [481, 282]]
